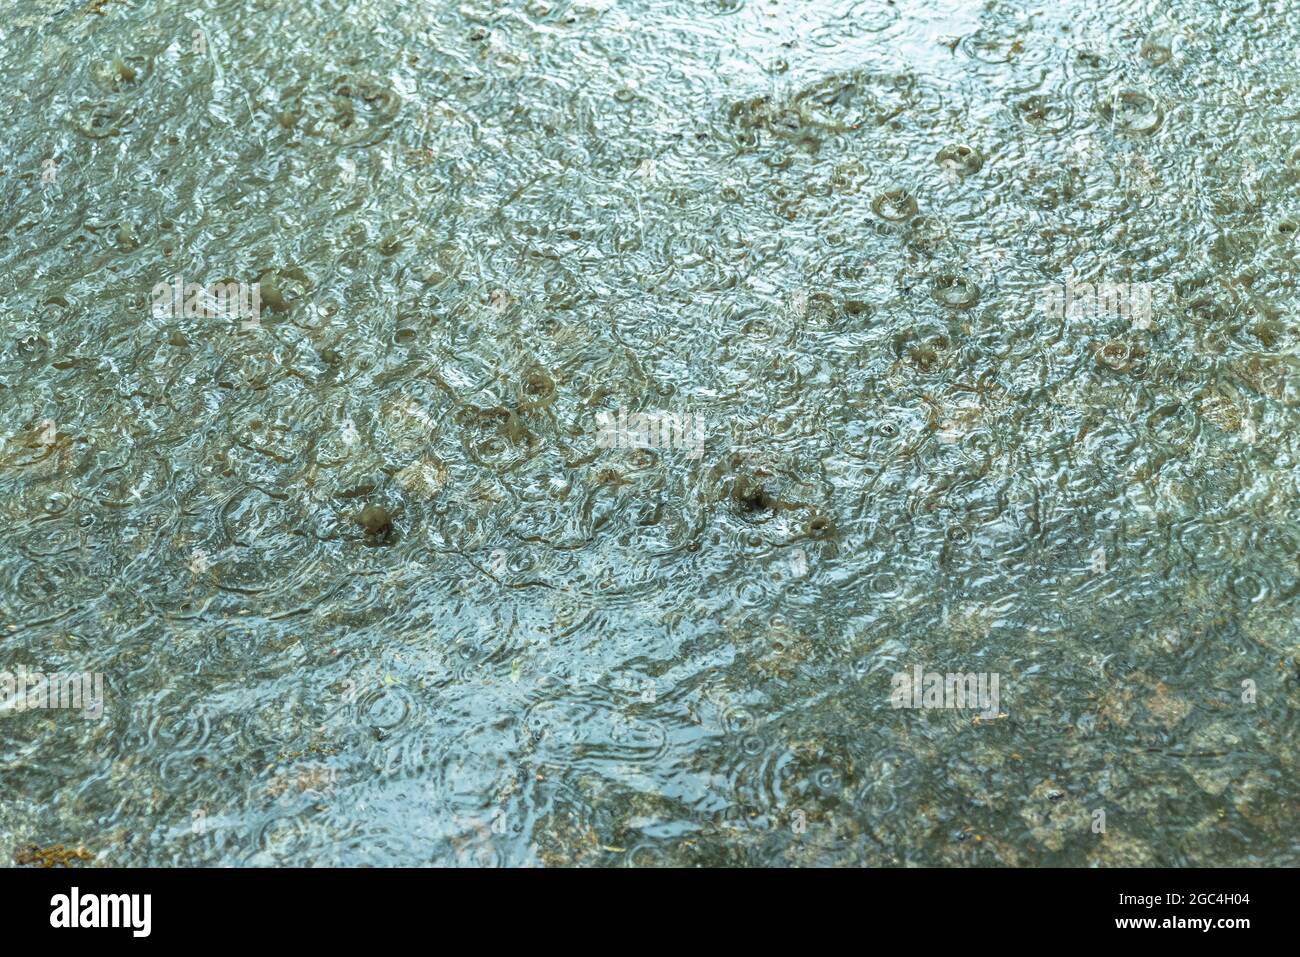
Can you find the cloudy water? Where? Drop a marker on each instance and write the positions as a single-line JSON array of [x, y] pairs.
[[641, 432]]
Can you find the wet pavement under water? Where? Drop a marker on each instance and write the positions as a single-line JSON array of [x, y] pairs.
[[826, 230]]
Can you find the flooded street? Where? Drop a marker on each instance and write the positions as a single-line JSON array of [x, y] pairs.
[[650, 432]]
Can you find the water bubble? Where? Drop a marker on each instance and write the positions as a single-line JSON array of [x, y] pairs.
[[1114, 355], [895, 205], [99, 120], [1130, 111], [1155, 51], [1248, 586], [1042, 114], [960, 158], [955, 292]]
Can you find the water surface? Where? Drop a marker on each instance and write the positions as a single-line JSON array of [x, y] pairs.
[[826, 229]]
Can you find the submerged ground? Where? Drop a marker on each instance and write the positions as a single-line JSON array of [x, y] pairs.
[[827, 230]]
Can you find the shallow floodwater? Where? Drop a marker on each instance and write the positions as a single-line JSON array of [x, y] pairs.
[[826, 231]]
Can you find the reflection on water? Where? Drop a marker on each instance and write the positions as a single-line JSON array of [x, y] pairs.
[[985, 315]]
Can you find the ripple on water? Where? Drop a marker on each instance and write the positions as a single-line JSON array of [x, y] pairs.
[[826, 229]]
